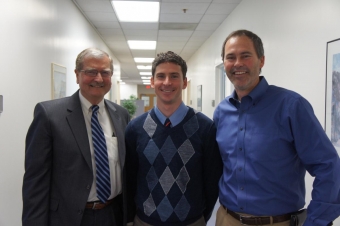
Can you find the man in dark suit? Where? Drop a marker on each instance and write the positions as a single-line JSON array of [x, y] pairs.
[[61, 168]]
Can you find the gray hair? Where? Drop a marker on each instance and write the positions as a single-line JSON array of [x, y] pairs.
[[92, 52]]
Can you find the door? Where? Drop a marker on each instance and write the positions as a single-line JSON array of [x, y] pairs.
[[149, 101]]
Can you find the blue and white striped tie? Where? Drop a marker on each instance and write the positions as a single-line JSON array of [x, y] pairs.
[[101, 158]]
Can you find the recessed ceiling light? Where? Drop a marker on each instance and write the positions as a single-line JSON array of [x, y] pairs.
[[145, 77], [134, 44], [136, 11], [143, 60], [143, 67], [145, 73]]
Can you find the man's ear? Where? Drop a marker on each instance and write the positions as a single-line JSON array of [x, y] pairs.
[[262, 59], [152, 82], [77, 75], [185, 83]]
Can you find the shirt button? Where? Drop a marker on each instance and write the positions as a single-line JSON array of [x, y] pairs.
[[240, 149], [88, 187], [80, 211], [241, 128]]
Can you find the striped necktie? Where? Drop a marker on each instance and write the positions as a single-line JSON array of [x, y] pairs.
[[101, 158], [167, 123]]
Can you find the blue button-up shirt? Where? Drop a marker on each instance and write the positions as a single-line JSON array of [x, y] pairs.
[[267, 142]]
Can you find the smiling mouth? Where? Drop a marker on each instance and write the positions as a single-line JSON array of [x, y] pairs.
[[239, 72], [97, 85], [166, 91]]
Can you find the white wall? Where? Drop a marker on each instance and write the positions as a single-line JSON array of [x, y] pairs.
[[294, 34], [34, 33], [127, 90]]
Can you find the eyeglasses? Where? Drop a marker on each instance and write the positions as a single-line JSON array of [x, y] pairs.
[[94, 73]]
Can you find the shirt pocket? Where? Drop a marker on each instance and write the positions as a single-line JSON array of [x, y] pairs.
[[266, 144]]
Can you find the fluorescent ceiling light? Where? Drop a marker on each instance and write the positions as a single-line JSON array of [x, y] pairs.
[[133, 44], [143, 60], [136, 11], [122, 83], [145, 73], [145, 77], [143, 67], [146, 83], [146, 80]]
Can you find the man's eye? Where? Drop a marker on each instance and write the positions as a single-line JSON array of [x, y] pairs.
[[92, 72], [105, 73]]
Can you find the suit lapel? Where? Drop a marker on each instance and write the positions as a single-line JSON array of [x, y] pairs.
[[76, 120], [117, 124]]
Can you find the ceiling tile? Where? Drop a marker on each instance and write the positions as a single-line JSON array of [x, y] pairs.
[[194, 44], [221, 8], [180, 18], [95, 6], [105, 24], [110, 31], [114, 38], [213, 18], [177, 8], [166, 49], [181, 1], [198, 38], [94, 16], [174, 33], [146, 37], [139, 26], [171, 44], [143, 53], [201, 34], [207, 27], [119, 46], [172, 39], [226, 1], [140, 32]]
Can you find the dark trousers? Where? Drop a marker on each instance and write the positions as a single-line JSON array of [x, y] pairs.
[[111, 215]]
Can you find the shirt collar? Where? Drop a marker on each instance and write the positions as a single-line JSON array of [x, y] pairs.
[[256, 93], [86, 105], [176, 117]]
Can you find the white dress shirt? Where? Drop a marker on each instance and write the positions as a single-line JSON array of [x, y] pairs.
[[111, 144]]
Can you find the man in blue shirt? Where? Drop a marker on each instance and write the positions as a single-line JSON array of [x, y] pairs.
[[268, 137], [172, 159]]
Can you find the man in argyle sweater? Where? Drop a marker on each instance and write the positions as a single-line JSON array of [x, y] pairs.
[[173, 162]]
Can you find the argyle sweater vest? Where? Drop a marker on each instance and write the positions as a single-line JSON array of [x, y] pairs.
[[166, 167]]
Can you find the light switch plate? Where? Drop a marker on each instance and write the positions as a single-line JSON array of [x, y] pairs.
[[1, 103]]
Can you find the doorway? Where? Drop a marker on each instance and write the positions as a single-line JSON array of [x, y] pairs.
[[150, 101]]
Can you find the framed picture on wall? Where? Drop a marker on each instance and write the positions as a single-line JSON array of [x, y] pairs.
[[332, 119], [58, 81], [199, 98]]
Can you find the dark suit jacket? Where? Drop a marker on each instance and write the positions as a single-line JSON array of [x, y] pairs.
[[58, 169]]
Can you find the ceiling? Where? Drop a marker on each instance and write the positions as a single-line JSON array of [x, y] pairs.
[[177, 31]]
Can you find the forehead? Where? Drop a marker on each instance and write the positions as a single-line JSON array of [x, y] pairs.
[[168, 67], [95, 60], [239, 43]]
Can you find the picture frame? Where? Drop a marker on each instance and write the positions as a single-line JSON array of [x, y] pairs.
[[332, 112], [58, 86], [199, 98]]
